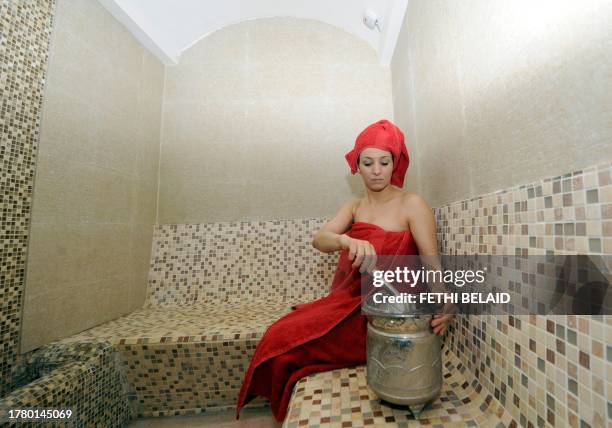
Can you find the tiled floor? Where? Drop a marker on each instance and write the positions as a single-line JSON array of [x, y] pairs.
[[249, 418]]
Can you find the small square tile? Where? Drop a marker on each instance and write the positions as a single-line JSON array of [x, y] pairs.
[[595, 245], [592, 196]]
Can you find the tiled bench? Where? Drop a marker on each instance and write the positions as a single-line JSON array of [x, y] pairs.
[[213, 291], [186, 359], [342, 398], [81, 377]]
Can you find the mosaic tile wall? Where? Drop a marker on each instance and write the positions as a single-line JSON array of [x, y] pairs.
[[25, 30], [218, 262], [545, 370]]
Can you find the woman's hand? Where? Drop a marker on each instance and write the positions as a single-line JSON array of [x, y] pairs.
[[440, 322], [362, 252]]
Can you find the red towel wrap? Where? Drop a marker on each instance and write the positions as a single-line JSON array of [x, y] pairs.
[[326, 334]]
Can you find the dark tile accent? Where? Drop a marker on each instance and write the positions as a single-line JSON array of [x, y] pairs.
[[592, 196]]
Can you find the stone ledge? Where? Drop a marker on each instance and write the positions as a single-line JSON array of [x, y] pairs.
[[342, 398], [186, 359]]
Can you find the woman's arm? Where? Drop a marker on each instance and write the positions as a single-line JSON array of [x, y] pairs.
[[331, 237], [422, 224], [423, 229]]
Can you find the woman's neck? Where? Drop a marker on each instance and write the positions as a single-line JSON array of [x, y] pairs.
[[382, 196]]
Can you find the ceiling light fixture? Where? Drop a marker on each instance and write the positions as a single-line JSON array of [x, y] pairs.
[[370, 20]]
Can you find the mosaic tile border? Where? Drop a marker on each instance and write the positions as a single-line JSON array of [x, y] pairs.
[[87, 378], [24, 41]]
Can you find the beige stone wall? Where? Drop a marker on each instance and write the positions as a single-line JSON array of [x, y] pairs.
[[96, 178], [258, 117], [498, 93]]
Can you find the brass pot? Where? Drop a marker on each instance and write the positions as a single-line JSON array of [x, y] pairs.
[[404, 359]]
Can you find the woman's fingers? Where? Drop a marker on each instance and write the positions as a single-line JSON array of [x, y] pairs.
[[352, 249], [440, 330], [369, 260], [373, 258], [439, 318], [436, 320], [440, 323], [363, 255], [360, 254], [364, 264]]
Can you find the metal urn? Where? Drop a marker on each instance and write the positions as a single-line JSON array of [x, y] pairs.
[[404, 358]]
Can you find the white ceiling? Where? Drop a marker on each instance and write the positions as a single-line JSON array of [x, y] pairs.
[[167, 27]]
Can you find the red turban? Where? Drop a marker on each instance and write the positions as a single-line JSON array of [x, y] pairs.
[[383, 135]]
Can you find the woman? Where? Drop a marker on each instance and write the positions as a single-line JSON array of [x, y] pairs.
[[330, 333]]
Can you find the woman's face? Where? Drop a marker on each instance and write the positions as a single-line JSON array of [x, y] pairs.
[[376, 167]]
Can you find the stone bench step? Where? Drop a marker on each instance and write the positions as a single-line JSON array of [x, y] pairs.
[[186, 359], [342, 398]]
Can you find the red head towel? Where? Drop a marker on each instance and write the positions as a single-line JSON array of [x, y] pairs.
[[383, 135]]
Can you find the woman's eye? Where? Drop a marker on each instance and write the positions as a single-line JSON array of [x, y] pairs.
[[385, 164], [367, 164]]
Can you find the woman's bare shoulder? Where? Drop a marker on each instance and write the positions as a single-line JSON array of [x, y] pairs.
[[353, 204], [414, 201], [349, 207], [343, 218]]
